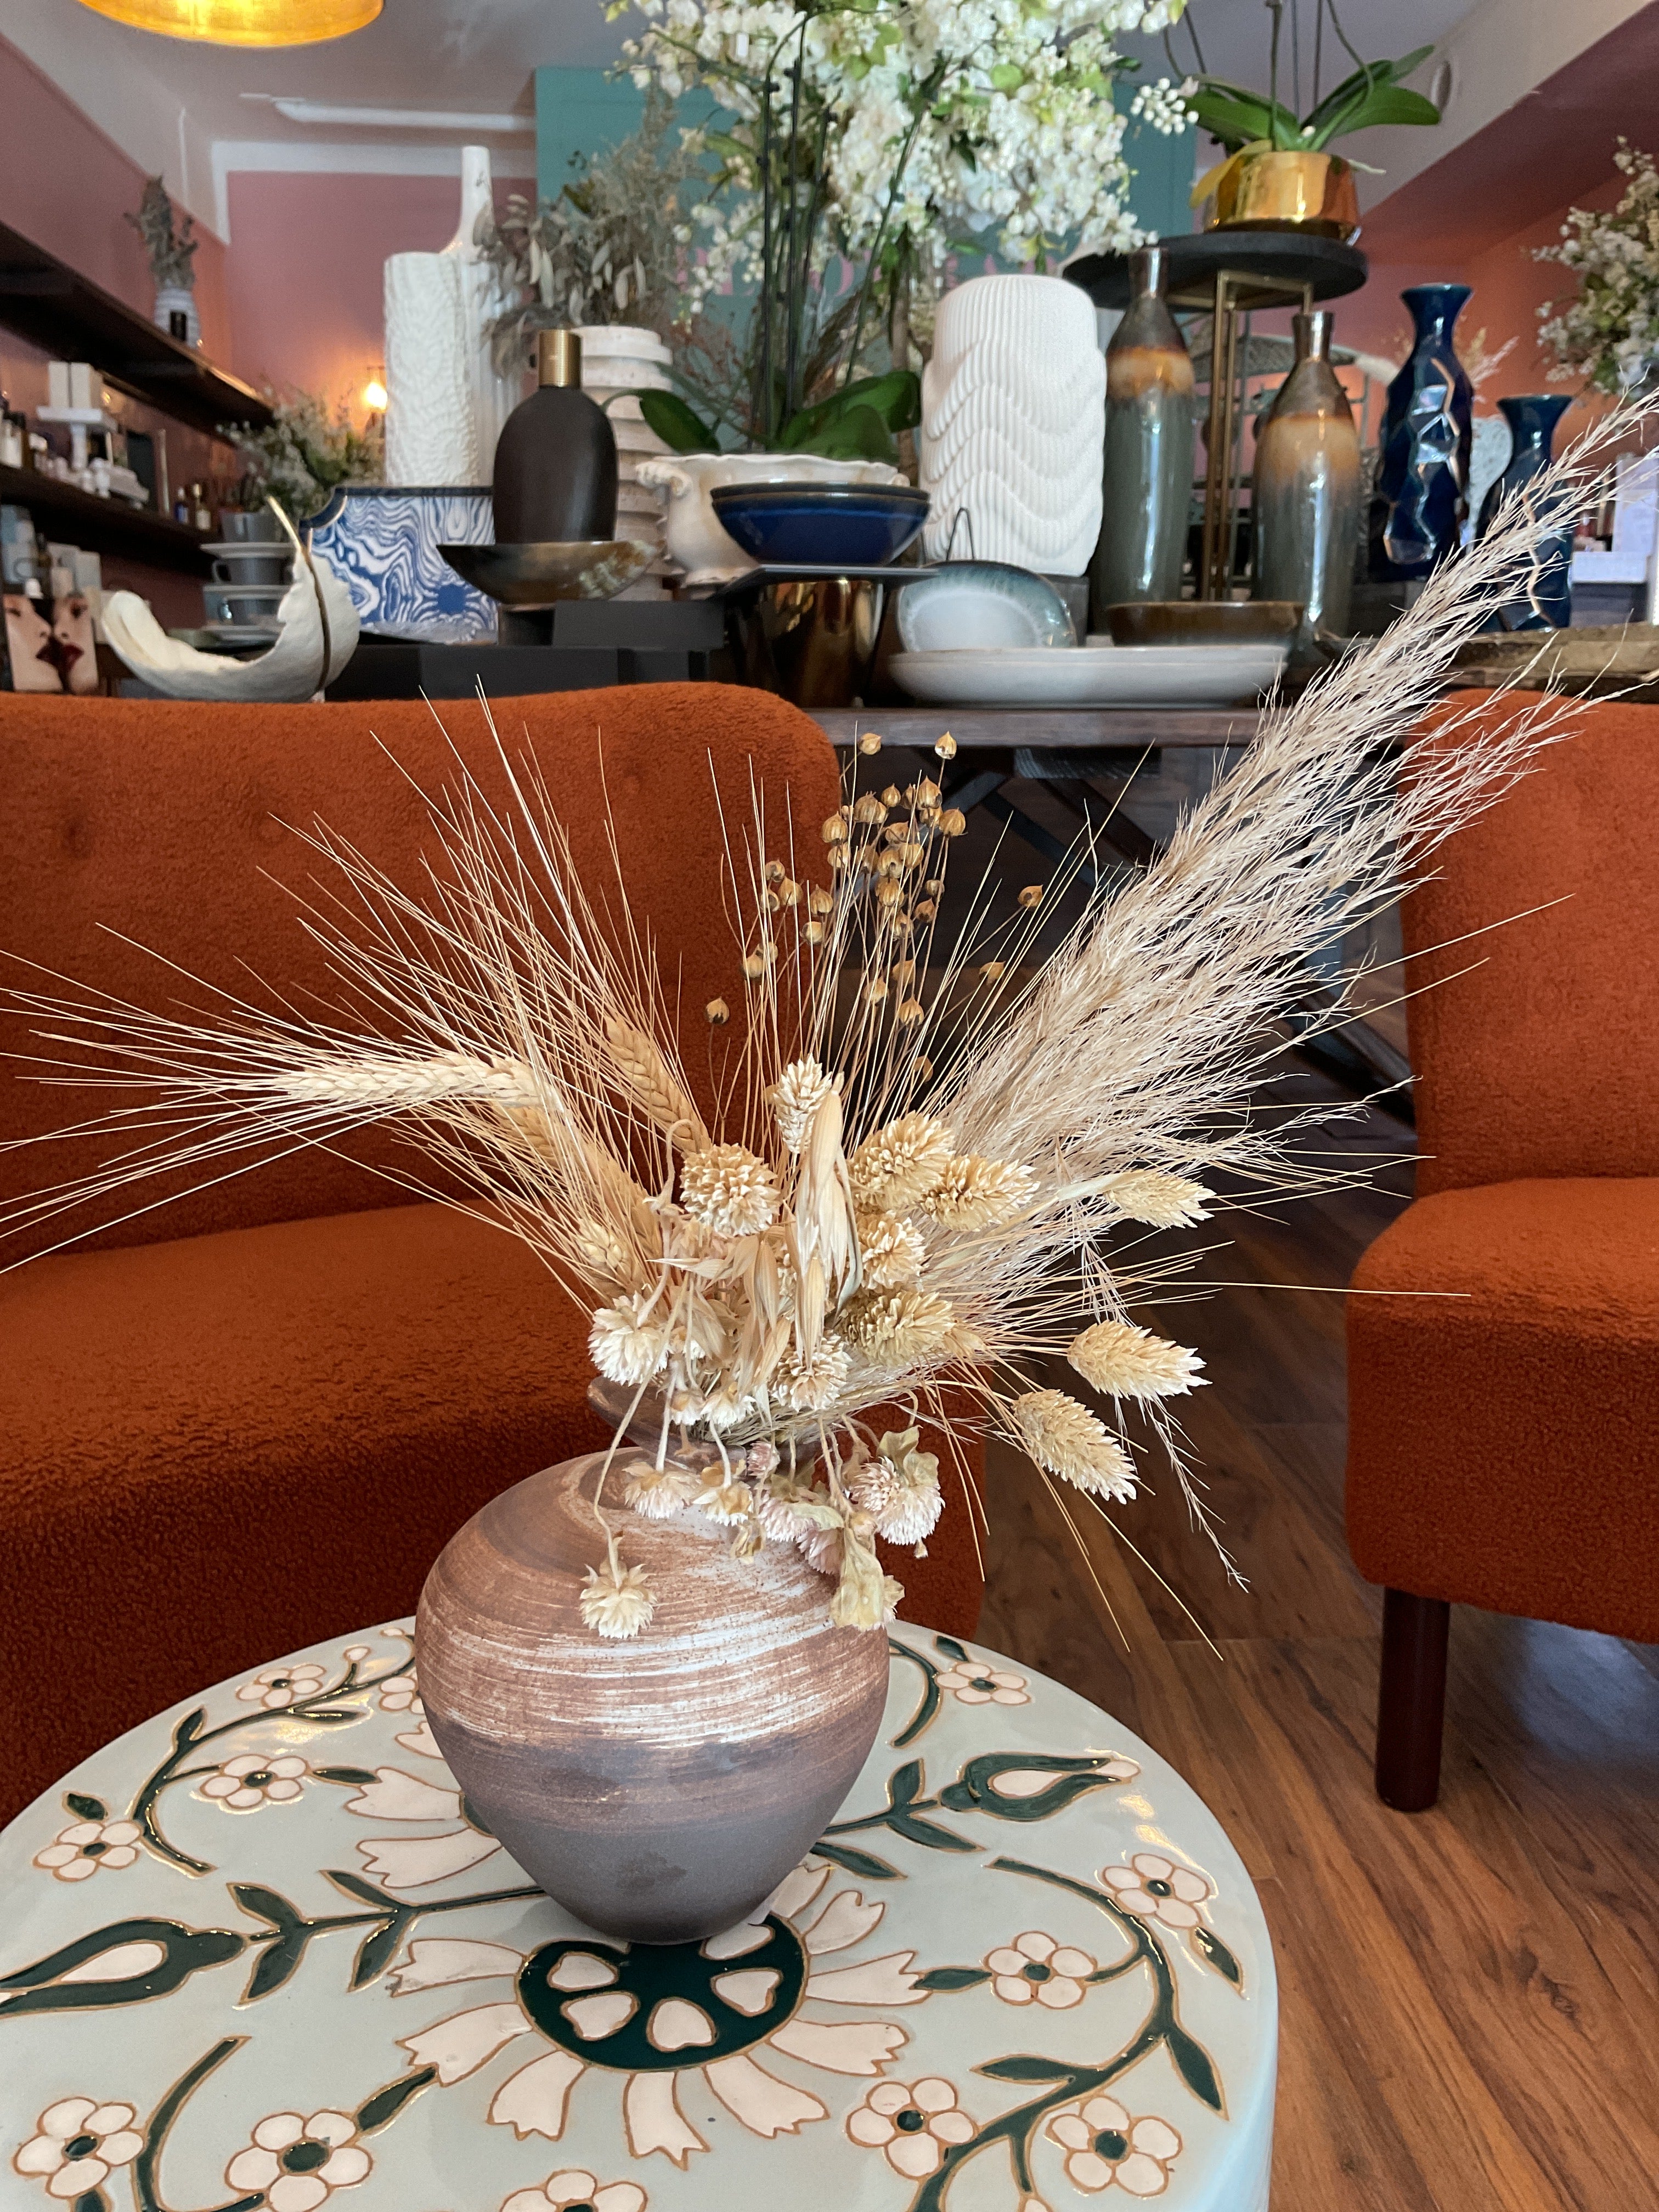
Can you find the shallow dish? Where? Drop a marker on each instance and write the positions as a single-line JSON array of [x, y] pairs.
[[542, 575], [1092, 676], [1202, 621], [864, 525], [966, 603]]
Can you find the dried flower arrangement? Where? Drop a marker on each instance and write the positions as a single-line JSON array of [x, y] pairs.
[[172, 250], [1610, 332], [929, 1169], [309, 450]]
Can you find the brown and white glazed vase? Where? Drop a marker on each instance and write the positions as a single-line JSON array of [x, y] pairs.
[[661, 1787]]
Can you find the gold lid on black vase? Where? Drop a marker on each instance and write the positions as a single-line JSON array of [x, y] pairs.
[[559, 358]]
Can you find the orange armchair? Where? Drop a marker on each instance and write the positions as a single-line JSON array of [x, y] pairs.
[[248, 1419], [1504, 1439]]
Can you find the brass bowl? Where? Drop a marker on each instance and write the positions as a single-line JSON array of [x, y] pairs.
[[542, 575], [1202, 621], [1290, 190]]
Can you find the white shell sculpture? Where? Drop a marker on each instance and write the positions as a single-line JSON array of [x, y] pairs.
[[431, 429], [1013, 419], [291, 671]]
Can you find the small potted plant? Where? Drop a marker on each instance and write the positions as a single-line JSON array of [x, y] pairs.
[[172, 250], [1279, 171]]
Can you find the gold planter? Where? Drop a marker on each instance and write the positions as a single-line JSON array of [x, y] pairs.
[[1266, 191]]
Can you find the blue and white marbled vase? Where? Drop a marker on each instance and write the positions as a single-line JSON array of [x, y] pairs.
[[382, 541]]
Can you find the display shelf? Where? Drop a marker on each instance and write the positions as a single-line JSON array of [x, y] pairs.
[[103, 525], [1281, 260], [52, 305]]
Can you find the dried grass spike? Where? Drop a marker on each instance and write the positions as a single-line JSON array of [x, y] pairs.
[[795, 1097], [976, 1193], [1121, 1361], [652, 1086], [896, 1166], [1067, 1440], [1163, 1202], [900, 1328]]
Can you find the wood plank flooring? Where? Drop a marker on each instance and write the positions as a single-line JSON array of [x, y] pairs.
[[1471, 1995]]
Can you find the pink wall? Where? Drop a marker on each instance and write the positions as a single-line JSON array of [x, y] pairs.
[[306, 262], [66, 186]]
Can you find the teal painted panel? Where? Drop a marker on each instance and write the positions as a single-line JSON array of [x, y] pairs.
[[1163, 178], [584, 111]]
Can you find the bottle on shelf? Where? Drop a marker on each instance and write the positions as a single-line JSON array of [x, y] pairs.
[[13, 436], [1147, 482], [556, 461], [1306, 487]]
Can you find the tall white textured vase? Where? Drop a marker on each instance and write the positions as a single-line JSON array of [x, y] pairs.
[[494, 396], [1013, 420], [431, 437]]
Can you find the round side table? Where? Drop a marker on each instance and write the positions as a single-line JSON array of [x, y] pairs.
[[258, 1953]]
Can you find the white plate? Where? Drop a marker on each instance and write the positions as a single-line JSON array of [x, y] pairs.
[[1092, 676]]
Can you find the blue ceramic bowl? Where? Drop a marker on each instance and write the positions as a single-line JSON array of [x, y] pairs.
[[854, 525]]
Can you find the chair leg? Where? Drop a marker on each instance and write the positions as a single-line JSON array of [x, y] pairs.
[[1412, 1707]]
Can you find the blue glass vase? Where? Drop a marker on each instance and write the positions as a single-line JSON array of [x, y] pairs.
[[1546, 598], [1422, 484]]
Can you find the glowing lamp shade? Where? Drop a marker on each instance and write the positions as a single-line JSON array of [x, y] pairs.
[[375, 396], [243, 22]]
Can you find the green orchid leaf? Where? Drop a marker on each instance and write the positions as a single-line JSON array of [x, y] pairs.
[[1244, 121], [1214, 1953], [895, 397], [1334, 113], [679, 427], [852, 1860], [1194, 2066], [904, 1783], [952, 1978], [1388, 104], [1025, 2069], [385, 2104], [86, 1809], [856, 433]]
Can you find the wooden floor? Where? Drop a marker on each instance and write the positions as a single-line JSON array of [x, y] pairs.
[[1471, 1995]]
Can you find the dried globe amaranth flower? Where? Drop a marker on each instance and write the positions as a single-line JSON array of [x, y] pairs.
[[1121, 1361], [900, 1488], [659, 1492], [617, 1600], [627, 1344]]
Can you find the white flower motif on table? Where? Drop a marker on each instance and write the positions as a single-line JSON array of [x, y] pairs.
[[587, 1998], [1036, 1969], [400, 1693], [913, 2125], [1103, 2145], [77, 2144], [1153, 1887], [244, 1784], [279, 1687], [81, 1848], [412, 1862], [575, 2192], [299, 2162], [972, 1682]]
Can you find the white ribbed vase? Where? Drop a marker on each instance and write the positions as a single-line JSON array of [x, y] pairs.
[[1013, 419], [431, 434]]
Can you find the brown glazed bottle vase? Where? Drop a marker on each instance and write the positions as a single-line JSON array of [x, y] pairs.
[[660, 1787]]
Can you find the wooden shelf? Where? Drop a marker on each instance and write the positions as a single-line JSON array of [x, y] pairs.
[[44, 300], [103, 525]]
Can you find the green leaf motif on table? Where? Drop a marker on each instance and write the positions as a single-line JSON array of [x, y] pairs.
[[851, 1860], [952, 1978], [94, 2200], [974, 1788], [127, 1944], [374, 1952], [358, 1777], [332, 1716], [925, 1833], [1192, 2063], [1214, 1953], [948, 1648], [1025, 2069], [385, 2104], [355, 1886], [904, 1783], [86, 1809]]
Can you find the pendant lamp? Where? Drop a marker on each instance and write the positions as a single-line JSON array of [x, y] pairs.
[[243, 22]]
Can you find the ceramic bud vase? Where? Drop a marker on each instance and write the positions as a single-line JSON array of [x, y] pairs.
[[1012, 415], [1546, 602], [658, 1788], [1422, 485], [1305, 495], [1146, 487]]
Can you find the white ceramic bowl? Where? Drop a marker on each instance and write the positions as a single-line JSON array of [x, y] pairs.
[[1091, 676]]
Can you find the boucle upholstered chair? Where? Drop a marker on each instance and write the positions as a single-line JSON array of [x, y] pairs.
[[1503, 1441], [236, 1424]]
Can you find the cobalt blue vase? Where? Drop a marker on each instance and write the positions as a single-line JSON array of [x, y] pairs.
[[1546, 598], [1422, 484]]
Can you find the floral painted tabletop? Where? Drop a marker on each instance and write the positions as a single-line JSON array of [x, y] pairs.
[[256, 1953]]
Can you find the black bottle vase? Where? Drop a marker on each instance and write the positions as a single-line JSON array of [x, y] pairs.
[[555, 462]]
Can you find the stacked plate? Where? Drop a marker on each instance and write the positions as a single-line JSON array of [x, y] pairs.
[[622, 358], [980, 632]]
